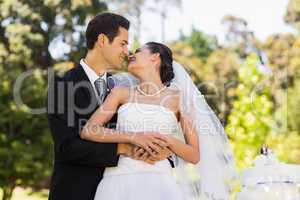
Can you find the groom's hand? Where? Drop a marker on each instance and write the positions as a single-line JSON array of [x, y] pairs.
[[151, 141], [125, 149], [140, 154], [161, 155]]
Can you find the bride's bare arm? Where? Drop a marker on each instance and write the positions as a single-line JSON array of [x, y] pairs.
[[188, 151], [94, 129]]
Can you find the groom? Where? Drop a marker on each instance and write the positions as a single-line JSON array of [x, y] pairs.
[[79, 164]]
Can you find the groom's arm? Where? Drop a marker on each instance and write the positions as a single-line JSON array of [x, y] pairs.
[[72, 149], [69, 147]]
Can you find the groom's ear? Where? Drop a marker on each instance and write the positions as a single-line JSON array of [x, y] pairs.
[[101, 39]]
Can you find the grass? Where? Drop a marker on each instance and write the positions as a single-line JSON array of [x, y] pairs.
[[26, 194]]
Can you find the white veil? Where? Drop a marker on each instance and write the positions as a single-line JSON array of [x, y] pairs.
[[213, 177]]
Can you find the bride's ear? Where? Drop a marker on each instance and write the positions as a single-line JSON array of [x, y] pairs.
[[155, 57]]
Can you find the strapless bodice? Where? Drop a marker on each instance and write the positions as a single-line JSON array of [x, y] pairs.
[[139, 117]]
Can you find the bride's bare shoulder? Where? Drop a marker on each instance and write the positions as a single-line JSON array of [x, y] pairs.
[[173, 91], [173, 95]]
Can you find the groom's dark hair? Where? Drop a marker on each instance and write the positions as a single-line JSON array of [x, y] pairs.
[[106, 23]]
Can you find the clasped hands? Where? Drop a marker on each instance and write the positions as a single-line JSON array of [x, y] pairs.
[[150, 147]]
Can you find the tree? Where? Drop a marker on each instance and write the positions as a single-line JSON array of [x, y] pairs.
[[239, 37], [133, 10], [216, 76], [292, 15], [293, 112], [285, 141], [283, 52], [184, 54], [286, 146], [237, 29], [220, 75], [288, 114], [250, 121], [285, 62], [202, 44], [26, 147], [160, 8], [28, 31], [280, 50], [42, 24]]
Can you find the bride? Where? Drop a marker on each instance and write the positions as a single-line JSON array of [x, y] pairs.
[[165, 101]]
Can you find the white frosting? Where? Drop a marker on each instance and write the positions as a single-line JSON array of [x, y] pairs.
[[270, 180]]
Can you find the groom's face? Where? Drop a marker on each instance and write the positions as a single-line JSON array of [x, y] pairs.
[[116, 51]]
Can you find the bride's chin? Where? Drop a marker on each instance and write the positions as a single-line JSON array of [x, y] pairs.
[[132, 71], [130, 67]]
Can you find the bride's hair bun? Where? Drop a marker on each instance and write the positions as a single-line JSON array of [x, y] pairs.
[[166, 56]]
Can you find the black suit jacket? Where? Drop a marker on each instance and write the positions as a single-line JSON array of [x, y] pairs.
[[78, 164]]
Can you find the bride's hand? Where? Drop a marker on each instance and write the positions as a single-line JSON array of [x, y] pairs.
[[151, 142], [162, 155], [140, 154]]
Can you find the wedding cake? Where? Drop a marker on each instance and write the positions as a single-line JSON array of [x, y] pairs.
[[270, 179]]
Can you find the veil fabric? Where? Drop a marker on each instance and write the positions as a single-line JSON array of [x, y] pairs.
[[214, 176]]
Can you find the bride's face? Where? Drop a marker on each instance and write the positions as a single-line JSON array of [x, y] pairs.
[[142, 61]]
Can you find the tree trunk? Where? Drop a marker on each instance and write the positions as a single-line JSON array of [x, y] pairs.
[[7, 192]]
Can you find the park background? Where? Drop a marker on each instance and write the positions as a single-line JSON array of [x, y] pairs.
[[243, 55]]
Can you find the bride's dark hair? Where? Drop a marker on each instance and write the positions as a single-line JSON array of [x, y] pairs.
[[166, 57]]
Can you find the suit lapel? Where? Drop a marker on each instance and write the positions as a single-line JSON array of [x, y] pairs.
[[84, 86], [88, 97]]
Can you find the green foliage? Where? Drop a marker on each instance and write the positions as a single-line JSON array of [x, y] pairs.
[[27, 31], [285, 141], [293, 111], [282, 51], [292, 13], [237, 29], [294, 64], [26, 152], [287, 114], [28, 28], [285, 146], [214, 69], [220, 75], [202, 44], [250, 120]]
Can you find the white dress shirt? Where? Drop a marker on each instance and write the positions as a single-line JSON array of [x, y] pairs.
[[91, 74]]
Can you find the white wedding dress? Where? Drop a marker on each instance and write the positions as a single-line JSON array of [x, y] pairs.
[[214, 177], [134, 179]]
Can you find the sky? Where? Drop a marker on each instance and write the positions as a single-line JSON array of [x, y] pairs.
[[265, 17]]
